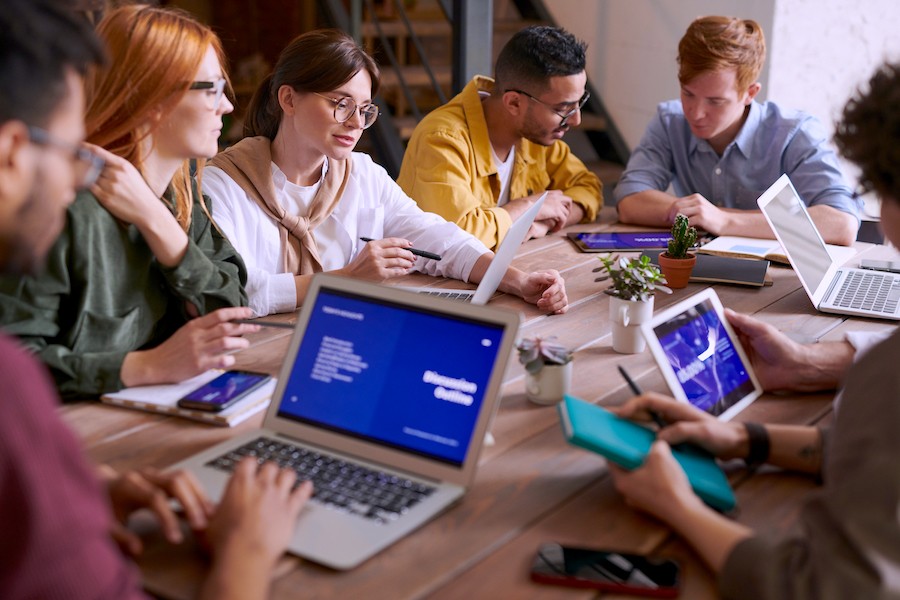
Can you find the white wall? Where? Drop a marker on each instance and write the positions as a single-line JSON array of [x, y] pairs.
[[823, 50]]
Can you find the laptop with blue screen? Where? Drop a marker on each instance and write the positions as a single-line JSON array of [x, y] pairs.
[[506, 252], [383, 400]]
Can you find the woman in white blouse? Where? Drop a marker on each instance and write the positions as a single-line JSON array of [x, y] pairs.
[[294, 198]]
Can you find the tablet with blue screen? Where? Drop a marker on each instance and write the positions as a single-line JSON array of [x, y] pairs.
[[700, 356], [633, 241]]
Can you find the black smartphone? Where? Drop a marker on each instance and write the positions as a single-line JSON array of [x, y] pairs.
[[890, 266], [606, 570], [223, 391], [620, 242]]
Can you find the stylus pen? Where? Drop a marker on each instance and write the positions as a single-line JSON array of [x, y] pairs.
[[277, 324], [416, 251], [636, 390]]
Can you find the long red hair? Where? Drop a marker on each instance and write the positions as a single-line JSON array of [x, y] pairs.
[[154, 54]]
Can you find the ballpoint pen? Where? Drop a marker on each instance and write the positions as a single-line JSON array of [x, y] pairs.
[[416, 251], [636, 390]]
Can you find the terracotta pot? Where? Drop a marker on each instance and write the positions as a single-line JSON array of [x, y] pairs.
[[626, 317], [677, 270]]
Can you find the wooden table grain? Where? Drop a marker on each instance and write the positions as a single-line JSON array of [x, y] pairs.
[[531, 486]]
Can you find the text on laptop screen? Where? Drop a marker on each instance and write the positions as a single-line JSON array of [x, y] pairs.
[[799, 237], [401, 376], [704, 359]]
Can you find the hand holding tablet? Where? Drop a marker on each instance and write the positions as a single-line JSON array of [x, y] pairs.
[[700, 356]]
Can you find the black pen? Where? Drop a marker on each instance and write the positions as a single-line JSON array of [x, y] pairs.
[[278, 324], [636, 390], [416, 251]]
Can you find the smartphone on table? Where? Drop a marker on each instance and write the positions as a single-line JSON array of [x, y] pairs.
[[223, 391], [606, 570]]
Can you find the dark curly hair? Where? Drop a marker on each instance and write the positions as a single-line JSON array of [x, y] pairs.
[[868, 133], [535, 54]]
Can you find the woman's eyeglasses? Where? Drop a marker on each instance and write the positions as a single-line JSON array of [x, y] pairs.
[[345, 108], [215, 89], [88, 165], [564, 115]]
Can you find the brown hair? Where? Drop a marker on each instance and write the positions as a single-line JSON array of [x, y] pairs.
[[154, 55], [317, 61], [713, 43], [868, 132]]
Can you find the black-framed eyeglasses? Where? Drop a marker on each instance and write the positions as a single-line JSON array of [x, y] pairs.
[[345, 108], [88, 165], [564, 116], [215, 89]]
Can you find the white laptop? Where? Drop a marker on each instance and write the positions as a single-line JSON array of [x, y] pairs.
[[497, 269], [700, 356], [383, 401], [831, 287]]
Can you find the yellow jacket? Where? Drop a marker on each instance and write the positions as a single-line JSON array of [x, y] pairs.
[[449, 169]]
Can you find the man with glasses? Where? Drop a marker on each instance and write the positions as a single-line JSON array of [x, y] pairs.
[[485, 157], [720, 149]]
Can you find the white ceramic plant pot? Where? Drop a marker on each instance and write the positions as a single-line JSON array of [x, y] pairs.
[[548, 385], [626, 317]]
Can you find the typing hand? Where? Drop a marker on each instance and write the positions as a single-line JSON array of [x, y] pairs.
[[152, 489]]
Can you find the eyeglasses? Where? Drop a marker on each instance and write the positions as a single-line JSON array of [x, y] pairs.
[[345, 108], [565, 116], [216, 89], [88, 165]]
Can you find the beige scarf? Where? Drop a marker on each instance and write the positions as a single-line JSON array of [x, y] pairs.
[[249, 164]]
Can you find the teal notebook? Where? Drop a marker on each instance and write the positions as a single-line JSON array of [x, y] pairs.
[[626, 443]]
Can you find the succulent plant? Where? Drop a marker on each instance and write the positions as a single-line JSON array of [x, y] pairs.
[[683, 237], [634, 279], [535, 352]]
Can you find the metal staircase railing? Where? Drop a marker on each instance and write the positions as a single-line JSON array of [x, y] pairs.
[[471, 24]]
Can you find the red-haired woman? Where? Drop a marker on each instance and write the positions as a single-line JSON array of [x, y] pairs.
[[141, 287]]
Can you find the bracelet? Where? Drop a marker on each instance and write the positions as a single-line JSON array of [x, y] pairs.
[[758, 441]]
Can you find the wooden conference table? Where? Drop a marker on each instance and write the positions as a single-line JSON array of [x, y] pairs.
[[531, 486]]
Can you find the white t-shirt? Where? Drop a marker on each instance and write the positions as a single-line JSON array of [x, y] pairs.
[[504, 173], [372, 205]]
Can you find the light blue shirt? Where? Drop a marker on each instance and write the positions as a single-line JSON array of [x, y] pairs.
[[771, 142]]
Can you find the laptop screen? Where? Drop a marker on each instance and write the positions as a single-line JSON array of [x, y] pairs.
[[703, 357], [799, 236], [405, 377]]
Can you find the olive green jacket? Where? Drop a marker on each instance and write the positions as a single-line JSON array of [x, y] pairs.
[[103, 295]]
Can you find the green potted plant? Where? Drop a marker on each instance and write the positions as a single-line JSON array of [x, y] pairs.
[[548, 369], [677, 262], [634, 282]]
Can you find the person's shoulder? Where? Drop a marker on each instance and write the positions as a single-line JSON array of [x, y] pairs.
[[773, 112], [364, 167], [793, 124]]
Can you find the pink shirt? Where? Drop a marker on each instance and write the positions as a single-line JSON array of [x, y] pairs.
[[54, 516]]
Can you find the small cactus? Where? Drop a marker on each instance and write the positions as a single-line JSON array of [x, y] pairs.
[[683, 237]]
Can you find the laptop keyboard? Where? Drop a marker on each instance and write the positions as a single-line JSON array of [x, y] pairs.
[[342, 485], [869, 291], [464, 296]]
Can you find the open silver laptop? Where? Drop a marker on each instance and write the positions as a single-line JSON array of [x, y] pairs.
[[831, 287], [383, 401], [497, 269]]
